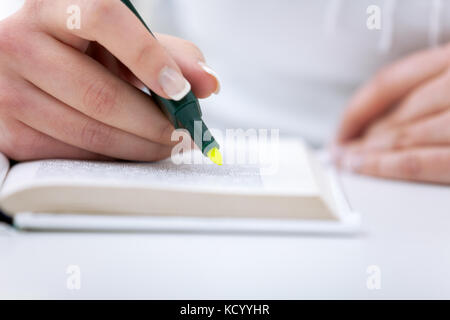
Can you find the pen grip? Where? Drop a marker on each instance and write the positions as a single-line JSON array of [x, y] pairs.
[[185, 113]]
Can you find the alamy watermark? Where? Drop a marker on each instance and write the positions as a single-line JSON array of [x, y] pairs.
[[239, 147], [373, 281], [374, 17], [73, 281], [74, 20]]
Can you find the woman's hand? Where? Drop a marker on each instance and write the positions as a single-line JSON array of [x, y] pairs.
[[63, 94], [398, 125]]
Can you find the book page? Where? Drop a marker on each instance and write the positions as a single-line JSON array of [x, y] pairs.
[[279, 174]]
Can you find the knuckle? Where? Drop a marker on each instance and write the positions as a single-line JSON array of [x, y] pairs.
[[144, 53], [100, 99], [98, 10], [96, 136], [410, 166]]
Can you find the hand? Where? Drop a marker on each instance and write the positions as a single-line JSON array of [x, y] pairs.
[[398, 125], [63, 94]]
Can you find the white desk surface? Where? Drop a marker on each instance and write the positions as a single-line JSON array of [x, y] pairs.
[[406, 233]]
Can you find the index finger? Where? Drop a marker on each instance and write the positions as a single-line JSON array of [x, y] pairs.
[[115, 27]]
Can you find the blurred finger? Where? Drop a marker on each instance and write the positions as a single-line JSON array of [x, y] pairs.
[[420, 164], [431, 98]]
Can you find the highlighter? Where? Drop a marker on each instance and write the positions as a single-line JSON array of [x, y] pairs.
[[186, 113]]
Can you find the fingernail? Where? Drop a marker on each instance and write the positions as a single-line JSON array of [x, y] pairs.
[[352, 163], [211, 72], [173, 83]]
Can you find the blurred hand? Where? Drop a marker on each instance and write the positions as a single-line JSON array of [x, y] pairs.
[[398, 125], [63, 94]]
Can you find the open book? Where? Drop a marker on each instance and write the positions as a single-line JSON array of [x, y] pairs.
[[283, 188]]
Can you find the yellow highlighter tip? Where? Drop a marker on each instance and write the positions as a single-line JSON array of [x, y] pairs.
[[215, 156]]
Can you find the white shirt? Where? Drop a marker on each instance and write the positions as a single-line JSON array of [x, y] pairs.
[[293, 64]]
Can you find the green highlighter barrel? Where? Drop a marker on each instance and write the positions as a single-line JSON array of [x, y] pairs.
[[184, 114]]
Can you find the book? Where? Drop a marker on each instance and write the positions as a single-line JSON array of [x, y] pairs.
[[261, 187]]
